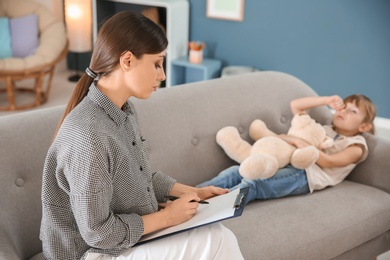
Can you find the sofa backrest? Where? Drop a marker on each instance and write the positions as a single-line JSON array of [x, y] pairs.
[[180, 124], [24, 141]]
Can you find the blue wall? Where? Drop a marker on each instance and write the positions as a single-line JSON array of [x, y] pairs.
[[335, 46]]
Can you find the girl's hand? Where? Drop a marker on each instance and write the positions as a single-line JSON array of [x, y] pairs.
[[181, 209], [210, 191], [295, 141], [336, 102]]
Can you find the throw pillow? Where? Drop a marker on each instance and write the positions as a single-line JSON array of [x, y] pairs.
[[5, 39], [24, 35]]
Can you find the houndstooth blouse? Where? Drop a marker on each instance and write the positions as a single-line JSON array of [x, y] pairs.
[[97, 181]]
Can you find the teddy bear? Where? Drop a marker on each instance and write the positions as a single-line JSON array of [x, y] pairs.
[[269, 152]]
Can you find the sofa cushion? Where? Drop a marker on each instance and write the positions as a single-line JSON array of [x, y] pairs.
[[373, 164], [5, 38], [24, 35], [24, 141], [52, 34], [323, 225]]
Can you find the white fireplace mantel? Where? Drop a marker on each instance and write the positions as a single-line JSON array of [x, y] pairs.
[[177, 25]]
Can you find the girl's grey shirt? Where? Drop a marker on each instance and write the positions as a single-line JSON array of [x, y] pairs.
[[97, 181]]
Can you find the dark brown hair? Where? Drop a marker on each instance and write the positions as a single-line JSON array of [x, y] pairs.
[[365, 104], [125, 31]]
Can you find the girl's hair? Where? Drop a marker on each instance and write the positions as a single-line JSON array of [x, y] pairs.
[[365, 104], [125, 31]]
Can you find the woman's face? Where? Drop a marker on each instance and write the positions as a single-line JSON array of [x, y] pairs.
[[145, 74]]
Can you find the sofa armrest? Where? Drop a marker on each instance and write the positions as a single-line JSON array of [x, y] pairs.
[[7, 250], [374, 171]]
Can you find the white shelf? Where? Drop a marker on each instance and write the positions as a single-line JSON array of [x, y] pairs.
[[177, 27]]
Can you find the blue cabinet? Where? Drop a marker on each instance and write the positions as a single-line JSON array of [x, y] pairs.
[[182, 71]]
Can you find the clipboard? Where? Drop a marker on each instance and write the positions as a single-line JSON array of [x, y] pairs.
[[229, 205]]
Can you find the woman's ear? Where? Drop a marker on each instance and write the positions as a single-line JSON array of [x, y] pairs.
[[125, 60]]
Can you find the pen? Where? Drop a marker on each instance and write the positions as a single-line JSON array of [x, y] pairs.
[[172, 198]]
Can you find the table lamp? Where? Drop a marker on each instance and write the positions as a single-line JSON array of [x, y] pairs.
[[78, 19]]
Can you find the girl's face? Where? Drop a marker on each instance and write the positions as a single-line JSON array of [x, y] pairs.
[[349, 120], [145, 74]]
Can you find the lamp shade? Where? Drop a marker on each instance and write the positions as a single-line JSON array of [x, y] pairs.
[[78, 18]]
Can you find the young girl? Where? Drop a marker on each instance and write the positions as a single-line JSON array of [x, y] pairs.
[[353, 115], [99, 193]]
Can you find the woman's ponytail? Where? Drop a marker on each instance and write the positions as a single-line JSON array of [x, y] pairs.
[[78, 94]]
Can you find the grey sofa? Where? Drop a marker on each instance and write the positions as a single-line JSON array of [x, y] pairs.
[[349, 221]]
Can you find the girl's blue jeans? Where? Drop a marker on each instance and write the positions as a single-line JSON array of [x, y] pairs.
[[287, 181]]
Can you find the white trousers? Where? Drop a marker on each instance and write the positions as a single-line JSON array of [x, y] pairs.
[[209, 242]]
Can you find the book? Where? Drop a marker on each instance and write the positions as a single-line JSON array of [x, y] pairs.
[[221, 207]]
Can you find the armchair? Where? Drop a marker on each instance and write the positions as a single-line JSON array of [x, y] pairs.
[[39, 66]]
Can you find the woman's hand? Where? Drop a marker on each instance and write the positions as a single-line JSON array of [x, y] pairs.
[[182, 209], [179, 189], [210, 191], [174, 213]]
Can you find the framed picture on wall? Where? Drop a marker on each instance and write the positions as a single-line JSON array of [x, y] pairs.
[[225, 9]]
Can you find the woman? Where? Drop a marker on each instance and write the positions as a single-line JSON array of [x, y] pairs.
[[99, 193]]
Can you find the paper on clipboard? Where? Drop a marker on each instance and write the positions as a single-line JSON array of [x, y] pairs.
[[219, 208]]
